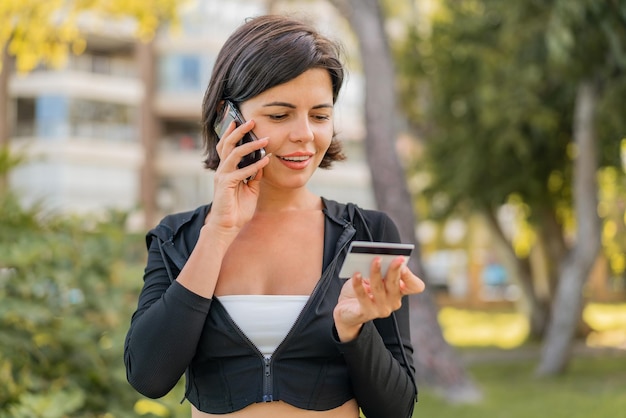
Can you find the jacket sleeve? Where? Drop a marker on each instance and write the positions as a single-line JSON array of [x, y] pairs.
[[382, 377], [164, 330]]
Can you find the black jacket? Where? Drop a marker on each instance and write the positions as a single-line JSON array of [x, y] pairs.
[[175, 331]]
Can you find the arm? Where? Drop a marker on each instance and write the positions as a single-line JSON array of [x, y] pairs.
[[169, 320], [164, 330], [382, 379]]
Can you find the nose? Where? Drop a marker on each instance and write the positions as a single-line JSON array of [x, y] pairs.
[[301, 130]]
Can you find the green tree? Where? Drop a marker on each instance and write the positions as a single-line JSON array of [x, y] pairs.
[[587, 42], [500, 124], [493, 130], [436, 362]]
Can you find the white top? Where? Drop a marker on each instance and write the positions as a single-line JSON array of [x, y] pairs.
[[265, 319]]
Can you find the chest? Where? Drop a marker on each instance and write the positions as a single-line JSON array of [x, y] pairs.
[[275, 256]]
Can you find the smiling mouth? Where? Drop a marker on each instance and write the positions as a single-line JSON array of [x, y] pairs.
[[296, 159]]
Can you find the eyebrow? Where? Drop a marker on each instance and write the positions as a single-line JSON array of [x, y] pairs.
[[291, 106]]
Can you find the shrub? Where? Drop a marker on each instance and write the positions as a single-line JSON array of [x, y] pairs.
[[65, 304]]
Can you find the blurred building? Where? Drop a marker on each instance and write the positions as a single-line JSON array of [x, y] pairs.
[[118, 126]]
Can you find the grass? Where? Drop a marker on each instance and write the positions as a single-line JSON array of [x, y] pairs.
[[593, 387]]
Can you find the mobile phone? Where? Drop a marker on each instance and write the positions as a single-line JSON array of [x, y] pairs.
[[229, 113], [362, 253]]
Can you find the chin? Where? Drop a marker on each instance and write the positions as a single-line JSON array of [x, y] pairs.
[[292, 181]]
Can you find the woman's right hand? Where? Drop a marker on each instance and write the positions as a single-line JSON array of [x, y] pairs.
[[234, 200], [234, 203]]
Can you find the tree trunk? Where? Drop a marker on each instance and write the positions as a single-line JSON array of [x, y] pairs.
[[436, 362], [535, 308], [149, 132], [568, 302], [553, 241]]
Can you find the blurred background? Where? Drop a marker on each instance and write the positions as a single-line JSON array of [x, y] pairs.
[[493, 133]]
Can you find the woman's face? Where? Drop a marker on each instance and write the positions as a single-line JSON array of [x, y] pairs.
[[297, 117]]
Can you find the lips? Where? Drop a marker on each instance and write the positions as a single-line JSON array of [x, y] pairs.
[[297, 156], [296, 160]]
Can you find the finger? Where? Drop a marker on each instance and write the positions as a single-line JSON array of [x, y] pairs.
[[254, 172], [361, 290], [410, 283], [392, 277], [232, 136], [249, 147], [232, 160], [376, 278], [383, 299], [387, 294]]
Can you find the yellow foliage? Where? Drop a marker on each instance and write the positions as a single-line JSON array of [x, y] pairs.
[[36, 31], [42, 339], [555, 181], [6, 377], [147, 406], [617, 261], [603, 317], [524, 236], [464, 328], [106, 342], [506, 330]]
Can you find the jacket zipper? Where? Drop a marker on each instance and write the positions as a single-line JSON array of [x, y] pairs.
[[268, 386], [267, 361]]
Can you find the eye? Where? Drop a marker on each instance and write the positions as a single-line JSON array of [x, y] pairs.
[[321, 117], [280, 116]]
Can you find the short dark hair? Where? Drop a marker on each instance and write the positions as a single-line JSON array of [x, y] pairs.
[[264, 52]]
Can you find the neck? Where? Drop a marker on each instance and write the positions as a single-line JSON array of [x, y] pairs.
[[293, 200]]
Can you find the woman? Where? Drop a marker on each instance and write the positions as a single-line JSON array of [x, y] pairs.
[[243, 295]]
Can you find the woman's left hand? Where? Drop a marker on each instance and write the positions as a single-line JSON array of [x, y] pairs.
[[363, 299]]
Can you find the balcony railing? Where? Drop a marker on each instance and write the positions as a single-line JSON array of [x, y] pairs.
[[88, 130]]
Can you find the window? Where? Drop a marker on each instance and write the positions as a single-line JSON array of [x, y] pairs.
[[24, 117], [58, 117], [51, 117], [182, 72], [181, 135], [43, 117], [102, 120]]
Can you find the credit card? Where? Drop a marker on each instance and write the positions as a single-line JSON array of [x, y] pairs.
[[362, 253]]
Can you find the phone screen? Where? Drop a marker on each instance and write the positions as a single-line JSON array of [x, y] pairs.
[[231, 113]]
